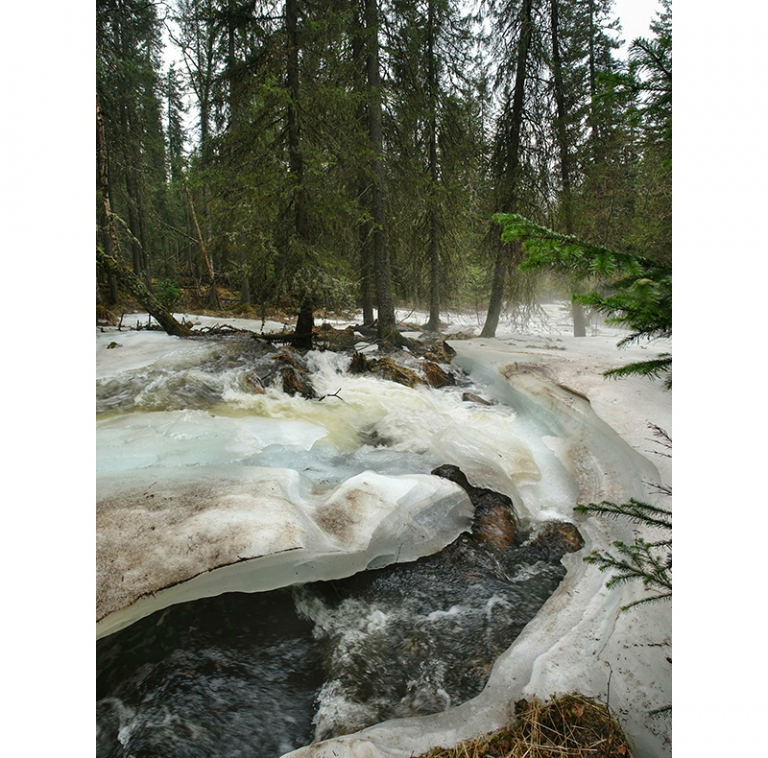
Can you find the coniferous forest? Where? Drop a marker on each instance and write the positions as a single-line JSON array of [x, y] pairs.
[[313, 157], [298, 161]]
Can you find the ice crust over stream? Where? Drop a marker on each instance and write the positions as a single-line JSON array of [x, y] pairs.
[[216, 488]]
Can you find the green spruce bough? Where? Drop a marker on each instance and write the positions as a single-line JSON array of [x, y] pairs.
[[649, 562], [639, 289]]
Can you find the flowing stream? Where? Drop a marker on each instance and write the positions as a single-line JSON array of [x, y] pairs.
[[260, 674]]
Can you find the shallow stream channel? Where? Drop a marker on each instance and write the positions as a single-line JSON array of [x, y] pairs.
[[228, 454]]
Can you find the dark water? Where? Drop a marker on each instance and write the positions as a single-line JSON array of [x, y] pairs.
[[230, 676], [262, 674], [419, 638]]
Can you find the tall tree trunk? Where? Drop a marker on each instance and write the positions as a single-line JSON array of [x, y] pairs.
[[305, 321], [245, 281], [577, 311], [134, 187], [505, 252], [594, 136], [296, 162], [204, 46], [433, 324], [233, 100], [387, 328], [365, 227], [111, 241], [366, 271], [235, 105], [497, 290]]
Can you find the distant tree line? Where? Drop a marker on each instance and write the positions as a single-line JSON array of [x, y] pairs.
[[351, 153]]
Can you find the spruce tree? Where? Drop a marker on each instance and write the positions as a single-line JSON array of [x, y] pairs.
[[128, 83], [431, 148], [509, 150], [651, 64], [386, 327]]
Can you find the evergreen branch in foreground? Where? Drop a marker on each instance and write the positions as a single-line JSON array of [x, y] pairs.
[[635, 510], [649, 562], [549, 249], [652, 368], [641, 297]]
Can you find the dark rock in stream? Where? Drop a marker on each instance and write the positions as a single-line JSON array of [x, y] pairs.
[[327, 337], [436, 377], [556, 539], [384, 368], [295, 384], [470, 397], [494, 521]]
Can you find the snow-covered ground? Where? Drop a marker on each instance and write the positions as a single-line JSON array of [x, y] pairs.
[[585, 437]]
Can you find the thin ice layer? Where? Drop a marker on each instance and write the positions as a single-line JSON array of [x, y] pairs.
[[172, 535]]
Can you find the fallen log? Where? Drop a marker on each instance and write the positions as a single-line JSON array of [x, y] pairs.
[[131, 283]]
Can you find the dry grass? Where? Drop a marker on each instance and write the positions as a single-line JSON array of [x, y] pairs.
[[569, 727]]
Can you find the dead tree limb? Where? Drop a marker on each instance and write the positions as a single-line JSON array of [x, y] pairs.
[[213, 295], [333, 394]]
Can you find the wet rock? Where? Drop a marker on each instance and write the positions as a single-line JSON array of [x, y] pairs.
[[436, 377], [494, 521], [288, 356], [454, 474], [556, 539], [335, 339], [385, 368], [295, 384], [294, 374], [440, 352], [470, 397], [497, 527], [252, 383], [432, 347]]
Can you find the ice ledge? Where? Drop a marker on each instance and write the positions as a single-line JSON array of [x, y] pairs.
[[168, 537]]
